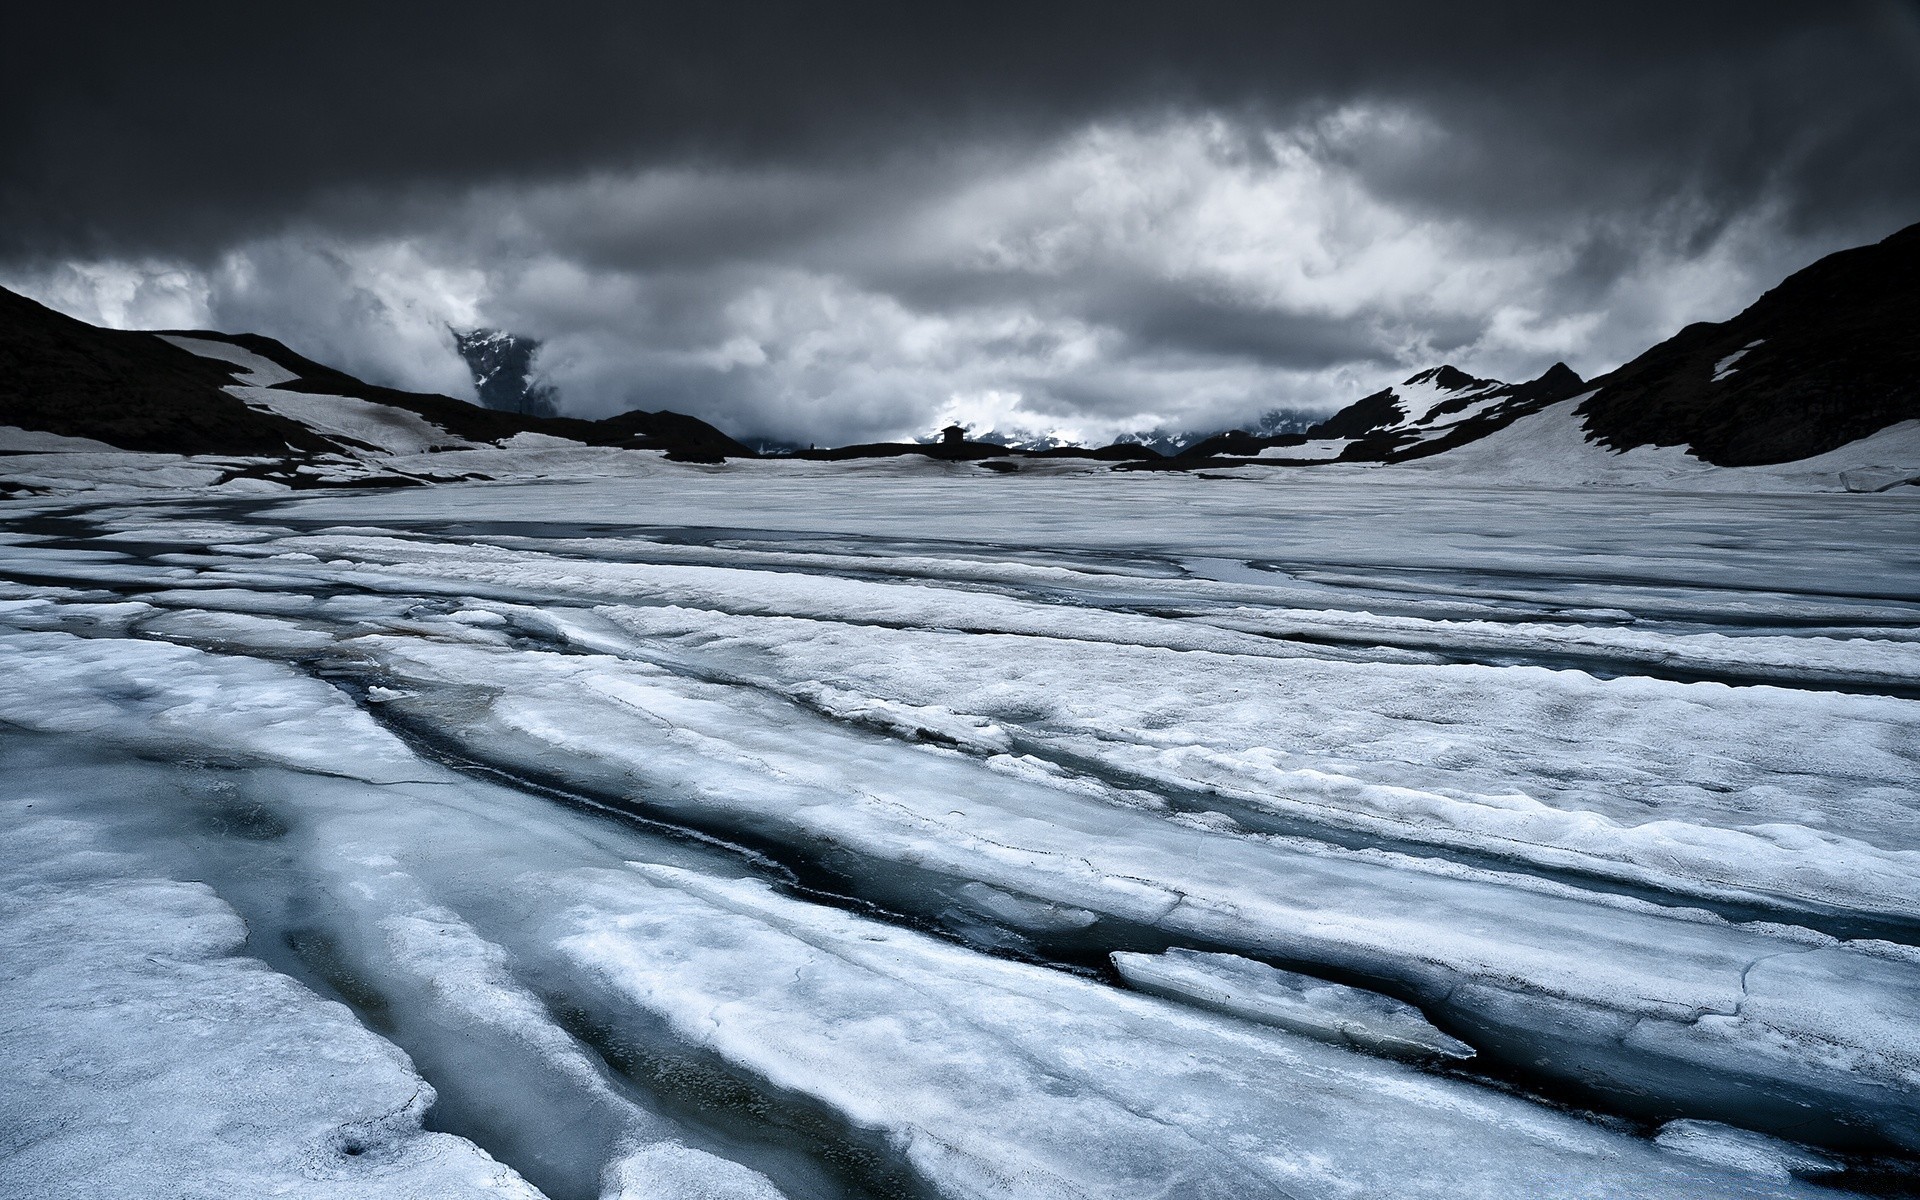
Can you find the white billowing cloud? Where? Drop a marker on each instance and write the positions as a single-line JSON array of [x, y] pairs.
[[1273, 218], [136, 295], [1181, 272], [819, 342], [379, 310], [798, 355]]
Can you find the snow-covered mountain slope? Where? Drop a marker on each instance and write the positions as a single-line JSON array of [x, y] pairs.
[[1555, 447], [353, 425], [129, 390], [247, 407], [1829, 356], [1439, 409], [1430, 412]]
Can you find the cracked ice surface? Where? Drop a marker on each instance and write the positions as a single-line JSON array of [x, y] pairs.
[[147, 1057], [777, 846]]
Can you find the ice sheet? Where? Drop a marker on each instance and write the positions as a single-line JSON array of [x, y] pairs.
[[1615, 789], [254, 369]]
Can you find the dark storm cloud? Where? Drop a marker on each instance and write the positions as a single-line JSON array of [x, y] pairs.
[[1176, 319], [158, 125], [804, 217]]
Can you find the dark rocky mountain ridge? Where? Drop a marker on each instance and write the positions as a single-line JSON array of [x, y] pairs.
[[1429, 412], [136, 391], [131, 390], [1830, 355]]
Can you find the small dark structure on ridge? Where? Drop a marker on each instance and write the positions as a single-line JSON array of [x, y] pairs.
[[953, 435]]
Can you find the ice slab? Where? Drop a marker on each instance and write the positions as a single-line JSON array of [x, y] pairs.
[[164, 697], [1743, 1150], [144, 1057], [671, 1172], [1331, 1012], [1004, 1080], [985, 1078], [1513, 961]]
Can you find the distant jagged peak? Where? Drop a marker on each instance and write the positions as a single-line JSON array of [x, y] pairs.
[[1440, 407], [502, 367], [1448, 378], [1558, 375]]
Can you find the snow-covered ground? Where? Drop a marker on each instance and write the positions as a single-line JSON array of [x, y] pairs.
[[1551, 448], [897, 828]]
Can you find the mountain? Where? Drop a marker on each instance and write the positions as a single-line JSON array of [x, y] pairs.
[[1161, 440], [1277, 421], [1830, 355], [1432, 411], [502, 366], [131, 390], [1437, 410], [1818, 381], [198, 392], [995, 455]]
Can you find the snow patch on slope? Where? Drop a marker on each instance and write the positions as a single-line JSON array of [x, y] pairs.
[[15, 440], [255, 370], [361, 424], [1552, 448]]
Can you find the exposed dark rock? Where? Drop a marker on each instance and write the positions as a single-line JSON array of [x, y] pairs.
[[686, 438], [136, 391], [1362, 416], [1829, 356], [1558, 382], [502, 366], [131, 390], [963, 451], [1448, 378], [1232, 442]]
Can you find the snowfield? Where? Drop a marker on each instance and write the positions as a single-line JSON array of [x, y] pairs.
[[899, 828]]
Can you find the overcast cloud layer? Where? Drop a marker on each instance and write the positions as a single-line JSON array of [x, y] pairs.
[[834, 224]]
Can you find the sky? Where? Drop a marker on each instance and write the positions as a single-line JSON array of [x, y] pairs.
[[832, 223]]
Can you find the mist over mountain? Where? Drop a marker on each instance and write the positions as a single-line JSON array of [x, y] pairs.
[[502, 366]]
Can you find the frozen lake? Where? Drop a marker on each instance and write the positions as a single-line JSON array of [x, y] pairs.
[[767, 830]]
